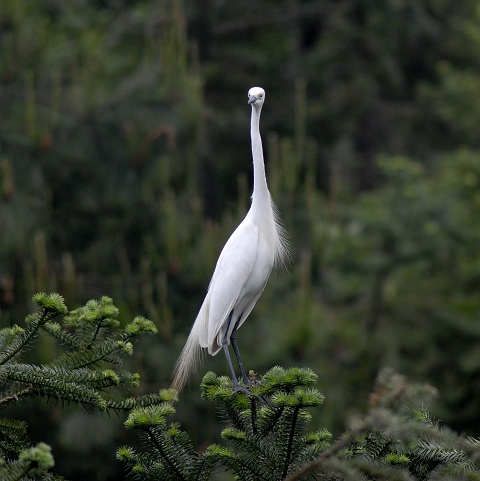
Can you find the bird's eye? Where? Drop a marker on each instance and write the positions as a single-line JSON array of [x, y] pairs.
[[261, 95]]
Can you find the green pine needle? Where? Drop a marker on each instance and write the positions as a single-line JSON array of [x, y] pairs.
[[144, 417]]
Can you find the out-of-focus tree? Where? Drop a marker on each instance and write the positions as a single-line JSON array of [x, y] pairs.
[[125, 165]]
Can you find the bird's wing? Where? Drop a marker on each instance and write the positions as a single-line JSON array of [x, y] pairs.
[[232, 272]]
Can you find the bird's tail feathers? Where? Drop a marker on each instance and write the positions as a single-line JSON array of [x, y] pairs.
[[189, 360]]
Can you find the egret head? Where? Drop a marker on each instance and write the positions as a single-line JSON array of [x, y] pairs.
[[256, 96]]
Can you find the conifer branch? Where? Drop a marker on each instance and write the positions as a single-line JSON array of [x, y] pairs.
[[164, 455], [86, 373], [15, 397], [396, 441], [290, 443]]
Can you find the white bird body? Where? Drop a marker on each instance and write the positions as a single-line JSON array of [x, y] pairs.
[[242, 269], [239, 278]]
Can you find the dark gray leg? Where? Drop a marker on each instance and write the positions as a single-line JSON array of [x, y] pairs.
[[230, 365], [233, 340], [227, 353], [236, 386]]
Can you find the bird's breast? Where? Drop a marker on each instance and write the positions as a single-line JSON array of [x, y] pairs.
[[261, 269]]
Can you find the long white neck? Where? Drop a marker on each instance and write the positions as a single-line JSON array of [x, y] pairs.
[[262, 207], [261, 195]]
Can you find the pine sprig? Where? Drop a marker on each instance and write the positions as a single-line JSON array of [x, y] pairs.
[[398, 441], [32, 463], [50, 306], [172, 456], [88, 372], [14, 437], [125, 404], [267, 436]]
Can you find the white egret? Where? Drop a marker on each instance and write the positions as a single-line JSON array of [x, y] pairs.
[[243, 268]]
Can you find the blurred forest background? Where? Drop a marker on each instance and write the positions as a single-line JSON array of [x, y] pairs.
[[125, 165]]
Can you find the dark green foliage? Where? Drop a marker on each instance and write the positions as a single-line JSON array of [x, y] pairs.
[[397, 440], [87, 372], [32, 463], [266, 436], [125, 165], [172, 455], [268, 433]]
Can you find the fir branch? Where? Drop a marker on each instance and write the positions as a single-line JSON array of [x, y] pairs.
[[202, 466], [51, 306], [13, 436], [55, 330], [290, 442], [397, 441], [61, 390], [8, 335], [329, 454], [165, 395], [14, 471], [254, 451], [31, 462], [269, 418], [159, 448], [104, 351], [245, 467], [15, 397], [107, 350], [45, 376], [83, 374], [23, 338]]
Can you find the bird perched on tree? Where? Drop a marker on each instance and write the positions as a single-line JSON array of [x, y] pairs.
[[243, 268]]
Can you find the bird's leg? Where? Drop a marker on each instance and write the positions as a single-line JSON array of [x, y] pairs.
[[236, 386], [233, 340], [230, 365], [227, 353]]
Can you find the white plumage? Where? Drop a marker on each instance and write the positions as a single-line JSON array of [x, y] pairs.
[[242, 269]]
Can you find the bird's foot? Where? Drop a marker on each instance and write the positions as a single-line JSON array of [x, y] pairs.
[[240, 389]]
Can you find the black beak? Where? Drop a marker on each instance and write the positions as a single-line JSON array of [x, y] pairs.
[[252, 100]]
